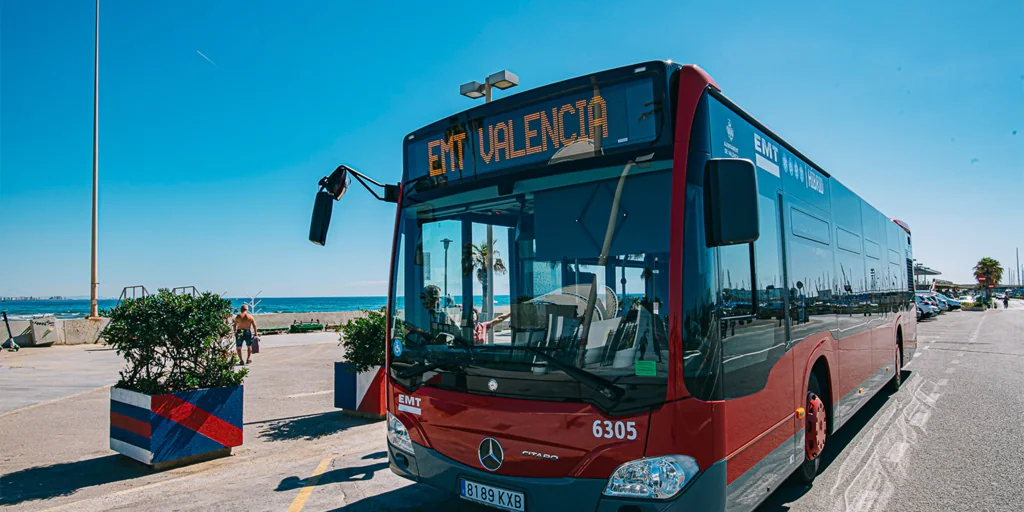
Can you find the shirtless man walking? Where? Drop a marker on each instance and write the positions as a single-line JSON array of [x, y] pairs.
[[245, 329]]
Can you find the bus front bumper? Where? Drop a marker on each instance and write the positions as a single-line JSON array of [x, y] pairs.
[[706, 492]]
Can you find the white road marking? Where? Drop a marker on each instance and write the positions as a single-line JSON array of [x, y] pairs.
[[898, 451], [55, 400], [324, 392]]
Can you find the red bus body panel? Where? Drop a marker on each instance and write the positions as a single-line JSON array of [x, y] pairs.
[[454, 423]]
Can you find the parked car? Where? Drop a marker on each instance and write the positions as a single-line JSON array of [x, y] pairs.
[[965, 298], [953, 303], [925, 307], [1000, 296], [933, 301]]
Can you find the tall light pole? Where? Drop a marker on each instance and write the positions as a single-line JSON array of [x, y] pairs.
[[447, 242], [93, 303], [503, 79]]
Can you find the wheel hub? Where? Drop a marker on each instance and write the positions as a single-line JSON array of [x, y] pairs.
[[817, 427]]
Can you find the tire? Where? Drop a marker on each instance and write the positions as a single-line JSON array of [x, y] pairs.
[[809, 469], [897, 378]]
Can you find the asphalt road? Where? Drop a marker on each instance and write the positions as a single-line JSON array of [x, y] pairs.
[[951, 439]]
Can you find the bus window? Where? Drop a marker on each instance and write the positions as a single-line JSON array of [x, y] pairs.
[[752, 321], [489, 264]]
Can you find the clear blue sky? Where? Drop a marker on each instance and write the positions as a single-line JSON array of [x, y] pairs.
[[208, 169]]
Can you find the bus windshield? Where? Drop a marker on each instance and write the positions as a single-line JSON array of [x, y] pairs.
[[506, 294]]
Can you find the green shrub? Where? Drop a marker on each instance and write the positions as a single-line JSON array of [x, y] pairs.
[[364, 340], [173, 343]]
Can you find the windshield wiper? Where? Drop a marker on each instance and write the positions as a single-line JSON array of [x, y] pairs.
[[448, 360], [600, 384], [421, 368]]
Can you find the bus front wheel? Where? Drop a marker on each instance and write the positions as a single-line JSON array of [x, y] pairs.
[[816, 432], [894, 384]]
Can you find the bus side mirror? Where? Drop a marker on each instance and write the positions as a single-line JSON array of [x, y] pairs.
[[321, 221], [337, 182], [332, 188], [730, 202]]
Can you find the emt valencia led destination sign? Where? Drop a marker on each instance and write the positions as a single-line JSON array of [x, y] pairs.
[[536, 132], [586, 121]]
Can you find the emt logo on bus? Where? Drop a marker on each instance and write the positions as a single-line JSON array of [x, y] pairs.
[[737, 138], [535, 132]]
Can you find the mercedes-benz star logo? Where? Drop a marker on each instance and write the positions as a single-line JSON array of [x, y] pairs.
[[491, 454]]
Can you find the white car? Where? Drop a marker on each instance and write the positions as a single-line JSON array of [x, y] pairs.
[[965, 298]]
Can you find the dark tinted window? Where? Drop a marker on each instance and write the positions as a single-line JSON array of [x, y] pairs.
[[809, 226], [846, 208], [871, 249], [852, 303], [848, 241], [753, 311], [811, 275]]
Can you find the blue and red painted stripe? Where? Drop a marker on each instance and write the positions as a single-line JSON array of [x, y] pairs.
[[160, 428], [198, 420]]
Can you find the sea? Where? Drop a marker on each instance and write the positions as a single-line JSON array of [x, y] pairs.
[[26, 309]]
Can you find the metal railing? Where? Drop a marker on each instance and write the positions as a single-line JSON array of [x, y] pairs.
[[137, 292], [182, 290]]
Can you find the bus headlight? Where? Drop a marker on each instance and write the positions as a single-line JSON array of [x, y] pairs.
[[398, 435], [654, 478]]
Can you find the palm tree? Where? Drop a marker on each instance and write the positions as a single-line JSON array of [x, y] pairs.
[[475, 256], [989, 268]]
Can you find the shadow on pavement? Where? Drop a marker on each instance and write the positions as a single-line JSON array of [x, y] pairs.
[[45, 482], [790, 491], [413, 498], [356, 474], [310, 427], [376, 455]]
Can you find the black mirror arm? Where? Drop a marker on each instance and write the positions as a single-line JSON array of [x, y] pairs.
[[390, 191]]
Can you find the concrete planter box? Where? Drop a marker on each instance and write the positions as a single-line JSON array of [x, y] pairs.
[[973, 308], [176, 428], [361, 394]]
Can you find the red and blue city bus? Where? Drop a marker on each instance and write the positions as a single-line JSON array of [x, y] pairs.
[[622, 292]]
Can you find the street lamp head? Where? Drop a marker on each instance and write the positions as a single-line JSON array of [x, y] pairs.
[[473, 90], [446, 242], [503, 79]]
